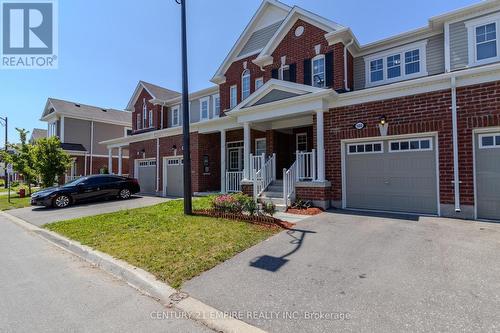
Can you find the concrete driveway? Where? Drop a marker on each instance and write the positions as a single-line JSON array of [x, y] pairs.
[[383, 273], [41, 215]]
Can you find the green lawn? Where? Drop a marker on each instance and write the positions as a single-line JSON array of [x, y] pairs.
[[161, 240], [15, 201]]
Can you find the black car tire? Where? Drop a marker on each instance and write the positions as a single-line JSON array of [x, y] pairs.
[[124, 194], [61, 201]]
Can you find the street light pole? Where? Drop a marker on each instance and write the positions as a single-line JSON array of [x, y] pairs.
[[188, 205], [4, 122]]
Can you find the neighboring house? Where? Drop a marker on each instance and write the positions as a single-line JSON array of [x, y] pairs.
[[80, 128], [37, 134], [410, 123]]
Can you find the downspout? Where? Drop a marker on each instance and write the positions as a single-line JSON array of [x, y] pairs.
[[456, 177], [91, 145], [345, 65]]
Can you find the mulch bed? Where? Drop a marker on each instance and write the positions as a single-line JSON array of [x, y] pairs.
[[309, 211], [263, 220]]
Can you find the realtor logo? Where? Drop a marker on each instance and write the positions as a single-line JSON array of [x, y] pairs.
[[29, 34]]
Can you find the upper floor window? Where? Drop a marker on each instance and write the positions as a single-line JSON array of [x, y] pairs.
[[139, 122], [396, 65], [483, 40], [284, 73], [52, 130], [150, 118], [204, 108], [245, 84], [318, 71], [216, 99], [175, 116], [233, 96], [259, 82]]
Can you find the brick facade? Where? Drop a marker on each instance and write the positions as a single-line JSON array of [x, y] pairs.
[[97, 164], [157, 111]]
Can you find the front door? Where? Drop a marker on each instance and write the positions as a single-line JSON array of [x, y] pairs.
[[235, 159]]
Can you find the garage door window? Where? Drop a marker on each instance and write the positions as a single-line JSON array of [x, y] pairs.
[[365, 148], [175, 162], [410, 145], [487, 141], [147, 163]]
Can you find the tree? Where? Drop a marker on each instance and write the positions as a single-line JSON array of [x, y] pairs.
[[22, 158], [50, 160]]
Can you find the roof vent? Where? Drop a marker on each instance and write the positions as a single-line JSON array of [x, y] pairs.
[[104, 110], [77, 105]]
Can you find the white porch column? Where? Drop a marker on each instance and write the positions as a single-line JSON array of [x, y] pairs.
[[246, 151], [223, 161], [320, 138], [120, 161], [110, 160]]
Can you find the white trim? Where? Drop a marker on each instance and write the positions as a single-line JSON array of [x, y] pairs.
[[373, 143], [246, 75], [214, 99], [447, 53], [205, 100], [409, 150], [177, 109], [471, 35], [421, 46], [492, 134], [150, 119]]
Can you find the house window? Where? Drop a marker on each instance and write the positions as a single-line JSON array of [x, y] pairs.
[[52, 131], [284, 73], [259, 83], [318, 71], [302, 142], [150, 118], [139, 121], [486, 41], [396, 65], [487, 141], [245, 84], [377, 70], [260, 146], [410, 145], [204, 108], [175, 116], [483, 39], [216, 99], [365, 148], [233, 92]]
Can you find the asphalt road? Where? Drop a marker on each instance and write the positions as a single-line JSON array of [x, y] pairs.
[[45, 289], [41, 215], [382, 273]]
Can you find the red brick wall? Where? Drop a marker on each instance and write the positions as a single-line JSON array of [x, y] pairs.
[[157, 110], [97, 164], [479, 106], [296, 50], [313, 193]]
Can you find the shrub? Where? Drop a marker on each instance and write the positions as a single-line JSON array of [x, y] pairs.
[[250, 207], [269, 208], [224, 203], [301, 204]]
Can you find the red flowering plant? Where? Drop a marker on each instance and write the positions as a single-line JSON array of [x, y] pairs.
[[225, 203]]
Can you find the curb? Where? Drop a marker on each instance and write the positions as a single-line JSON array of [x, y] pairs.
[[143, 281]]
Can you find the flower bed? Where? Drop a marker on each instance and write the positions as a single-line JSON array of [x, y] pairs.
[[306, 211], [256, 219]]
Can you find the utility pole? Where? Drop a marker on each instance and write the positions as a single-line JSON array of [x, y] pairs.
[[188, 205], [4, 122]]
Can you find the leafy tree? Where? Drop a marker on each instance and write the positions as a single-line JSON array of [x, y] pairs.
[[22, 158], [50, 160]]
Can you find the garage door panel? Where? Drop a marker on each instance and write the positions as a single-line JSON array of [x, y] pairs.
[[174, 177], [487, 179], [392, 181], [146, 175]]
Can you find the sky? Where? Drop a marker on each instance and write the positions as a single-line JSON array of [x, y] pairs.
[[107, 46]]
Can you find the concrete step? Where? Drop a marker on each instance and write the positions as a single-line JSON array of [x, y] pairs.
[[278, 202], [274, 188], [271, 194]]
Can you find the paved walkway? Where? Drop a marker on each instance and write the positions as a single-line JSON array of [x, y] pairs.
[[384, 273], [44, 289], [41, 215]]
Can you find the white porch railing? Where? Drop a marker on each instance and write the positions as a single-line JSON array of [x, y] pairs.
[[233, 181], [265, 176], [306, 165], [289, 180], [256, 163]]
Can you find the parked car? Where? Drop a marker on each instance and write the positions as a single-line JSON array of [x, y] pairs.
[[89, 188]]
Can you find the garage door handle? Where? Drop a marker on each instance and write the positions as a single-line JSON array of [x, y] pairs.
[[387, 182]]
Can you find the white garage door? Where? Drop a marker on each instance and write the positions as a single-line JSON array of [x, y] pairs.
[[488, 176], [146, 174], [174, 177], [392, 175]]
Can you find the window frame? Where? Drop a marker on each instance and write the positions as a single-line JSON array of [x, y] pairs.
[[144, 114], [150, 118], [139, 122], [204, 100], [472, 42], [303, 134], [246, 75], [373, 143], [233, 96], [409, 150], [259, 79], [214, 101], [401, 51], [176, 109], [256, 144], [318, 57], [494, 135]]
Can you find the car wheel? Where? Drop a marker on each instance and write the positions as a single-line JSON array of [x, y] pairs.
[[125, 193], [62, 201]]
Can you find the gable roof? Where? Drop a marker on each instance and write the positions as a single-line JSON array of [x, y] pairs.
[[269, 13], [38, 133], [156, 92], [87, 112]]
